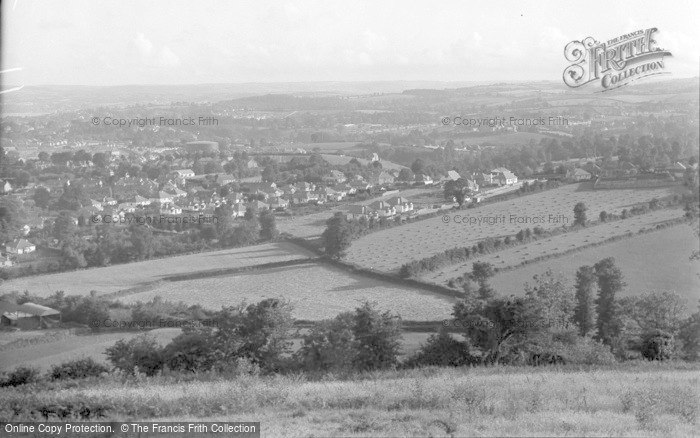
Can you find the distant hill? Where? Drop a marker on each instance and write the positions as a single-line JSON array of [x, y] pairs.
[[77, 96]]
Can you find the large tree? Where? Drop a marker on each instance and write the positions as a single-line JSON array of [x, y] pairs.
[[584, 312], [609, 285], [481, 273], [498, 327], [551, 299], [268, 226], [12, 216], [580, 214], [455, 190], [337, 236], [378, 336], [142, 241], [42, 197]]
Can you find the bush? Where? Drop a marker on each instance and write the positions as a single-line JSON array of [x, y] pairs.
[[442, 350], [586, 351], [378, 337], [89, 311], [657, 345], [141, 354], [77, 369], [20, 376], [689, 335], [329, 345], [260, 332], [191, 351]]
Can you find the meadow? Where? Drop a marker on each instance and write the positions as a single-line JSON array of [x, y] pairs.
[[640, 400], [657, 261], [389, 249], [548, 246], [510, 139], [316, 292], [45, 355], [120, 277], [309, 225]]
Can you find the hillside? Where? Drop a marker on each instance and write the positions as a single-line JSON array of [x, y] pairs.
[[637, 399]]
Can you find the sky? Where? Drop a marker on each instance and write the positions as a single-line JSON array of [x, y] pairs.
[[108, 42]]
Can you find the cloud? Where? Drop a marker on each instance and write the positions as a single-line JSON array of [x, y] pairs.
[[150, 56], [143, 45]]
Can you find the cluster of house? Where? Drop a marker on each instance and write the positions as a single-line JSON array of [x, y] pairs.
[[499, 176], [382, 209], [592, 170], [14, 248]]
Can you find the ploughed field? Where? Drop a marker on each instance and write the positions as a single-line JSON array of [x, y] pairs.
[[547, 246], [388, 249], [315, 290], [120, 277]]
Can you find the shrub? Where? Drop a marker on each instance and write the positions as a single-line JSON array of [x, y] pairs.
[[259, 332], [141, 354], [329, 345], [190, 351], [689, 336], [587, 351], [378, 338], [442, 350], [657, 345], [77, 369], [20, 376], [89, 311]]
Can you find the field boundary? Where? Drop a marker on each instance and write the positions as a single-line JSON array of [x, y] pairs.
[[391, 278], [629, 235], [417, 268], [205, 274], [659, 227]]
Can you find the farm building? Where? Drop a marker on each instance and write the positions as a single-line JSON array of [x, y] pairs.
[[5, 187], [485, 179], [20, 246], [401, 204], [184, 173], [359, 211], [422, 179], [335, 177], [578, 174], [452, 175], [504, 176], [384, 177], [29, 316]]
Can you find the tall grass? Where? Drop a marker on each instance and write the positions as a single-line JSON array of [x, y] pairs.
[[635, 400]]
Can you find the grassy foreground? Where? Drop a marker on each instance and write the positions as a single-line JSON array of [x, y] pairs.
[[642, 399]]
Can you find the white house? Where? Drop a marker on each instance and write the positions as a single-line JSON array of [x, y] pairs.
[[20, 246]]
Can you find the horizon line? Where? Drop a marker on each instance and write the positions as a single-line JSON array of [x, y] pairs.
[[504, 81]]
